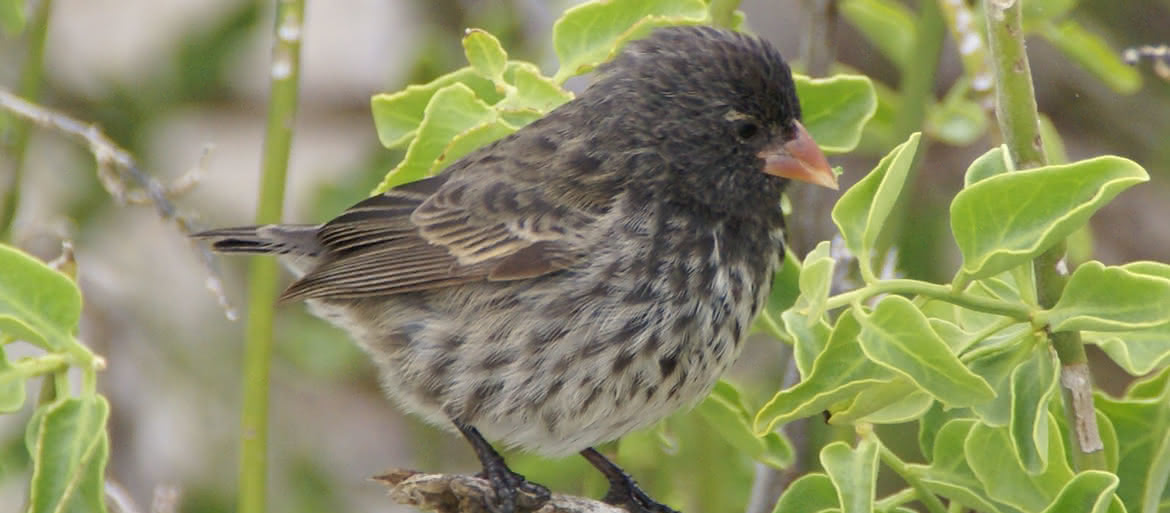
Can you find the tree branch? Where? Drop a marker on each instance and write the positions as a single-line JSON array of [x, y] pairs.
[[453, 493], [122, 178]]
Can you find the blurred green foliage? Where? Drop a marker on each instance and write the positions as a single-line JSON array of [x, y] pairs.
[[922, 360]]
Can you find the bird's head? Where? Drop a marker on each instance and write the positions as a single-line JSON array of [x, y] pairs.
[[722, 115]]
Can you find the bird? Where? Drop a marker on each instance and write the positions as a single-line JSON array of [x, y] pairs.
[[583, 277]]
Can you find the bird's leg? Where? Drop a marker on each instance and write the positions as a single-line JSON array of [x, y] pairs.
[[623, 491], [504, 482]]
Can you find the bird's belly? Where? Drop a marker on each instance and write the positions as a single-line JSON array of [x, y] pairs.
[[556, 366]]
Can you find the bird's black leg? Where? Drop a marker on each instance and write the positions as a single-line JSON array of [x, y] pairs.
[[623, 491], [511, 488]]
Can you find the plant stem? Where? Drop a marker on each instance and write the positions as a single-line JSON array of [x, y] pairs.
[[1016, 311], [917, 87], [723, 12], [1015, 108], [897, 499], [31, 74], [818, 49], [928, 499], [282, 107], [46, 364]]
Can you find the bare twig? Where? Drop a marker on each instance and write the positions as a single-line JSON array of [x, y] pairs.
[[1159, 55], [452, 493], [122, 178]]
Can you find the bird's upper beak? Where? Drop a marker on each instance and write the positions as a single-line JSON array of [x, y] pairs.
[[799, 158]]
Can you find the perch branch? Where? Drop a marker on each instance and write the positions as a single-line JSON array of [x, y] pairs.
[[452, 493]]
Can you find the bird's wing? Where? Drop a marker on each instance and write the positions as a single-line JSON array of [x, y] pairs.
[[445, 230]]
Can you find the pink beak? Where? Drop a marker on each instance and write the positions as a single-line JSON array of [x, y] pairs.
[[799, 159]]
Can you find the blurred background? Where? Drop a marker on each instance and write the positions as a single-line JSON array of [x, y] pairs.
[[167, 78]]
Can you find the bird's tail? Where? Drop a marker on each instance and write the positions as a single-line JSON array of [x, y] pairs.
[[280, 239]]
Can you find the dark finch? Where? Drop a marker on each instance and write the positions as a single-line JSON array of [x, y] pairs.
[[584, 277]]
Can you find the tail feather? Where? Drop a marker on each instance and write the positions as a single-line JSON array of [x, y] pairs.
[[300, 240]]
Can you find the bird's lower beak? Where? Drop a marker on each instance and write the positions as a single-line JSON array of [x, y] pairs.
[[799, 159]]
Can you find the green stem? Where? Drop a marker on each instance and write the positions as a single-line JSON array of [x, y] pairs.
[[284, 73], [928, 499], [897, 499], [1019, 121], [818, 47], [723, 12], [917, 87], [31, 367], [31, 79], [940, 292]]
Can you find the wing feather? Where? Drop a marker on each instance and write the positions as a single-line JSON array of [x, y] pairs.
[[438, 232]]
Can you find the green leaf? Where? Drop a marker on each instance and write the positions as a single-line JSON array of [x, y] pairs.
[[816, 277], [12, 389], [1113, 298], [853, 472], [840, 371], [1037, 11], [469, 141], [532, 91], [990, 455], [996, 161], [485, 54], [1093, 54], [1054, 151], [1138, 351], [591, 33], [69, 450], [956, 121], [810, 494], [888, 403], [452, 111], [898, 336], [889, 25], [861, 212], [724, 411], [1008, 219], [1090, 491], [835, 109], [785, 290], [1142, 422], [1032, 386], [12, 16], [931, 422], [37, 304], [998, 368], [809, 339], [949, 474], [397, 116]]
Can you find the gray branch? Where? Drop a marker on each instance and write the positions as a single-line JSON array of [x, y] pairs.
[[453, 493], [120, 175]]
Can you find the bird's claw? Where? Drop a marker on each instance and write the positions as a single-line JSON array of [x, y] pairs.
[[634, 500], [513, 493]]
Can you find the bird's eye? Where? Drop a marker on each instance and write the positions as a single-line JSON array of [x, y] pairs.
[[746, 129]]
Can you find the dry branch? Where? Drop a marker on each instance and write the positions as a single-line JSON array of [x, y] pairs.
[[454, 493]]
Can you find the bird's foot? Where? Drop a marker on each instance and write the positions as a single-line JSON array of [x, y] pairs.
[[513, 492], [623, 491]]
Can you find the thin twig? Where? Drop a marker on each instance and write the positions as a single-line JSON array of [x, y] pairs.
[[121, 177]]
